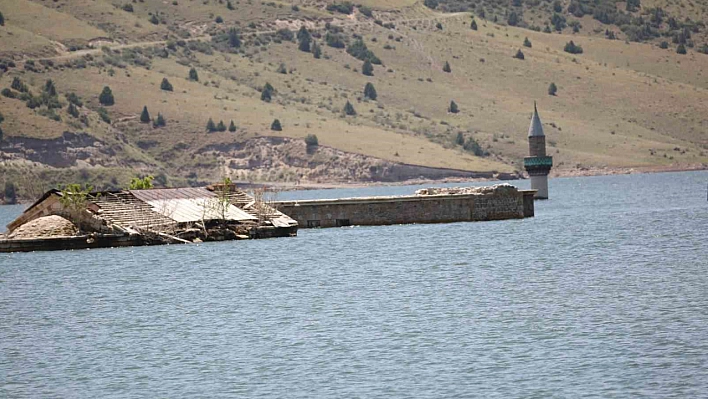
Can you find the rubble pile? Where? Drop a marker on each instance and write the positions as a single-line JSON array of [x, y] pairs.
[[45, 227]]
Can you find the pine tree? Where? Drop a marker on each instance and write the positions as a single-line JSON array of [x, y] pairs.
[[221, 127], [193, 75], [527, 42], [159, 121], [18, 85], [446, 67], [311, 140], [106, 97], [367, 69], [232, 127], [72, 110], [145, 115], [370, 91], [453, 108], [275, 126], [10, 193], [473, 25], [234, 39], [305, 39], [154, 20], [316, 50], [349, 109], [552, 89], [166, 85], [681, 49], [513, 19], [2, 19], [50, 89], [210, 127], [265, 95], [519, 55]]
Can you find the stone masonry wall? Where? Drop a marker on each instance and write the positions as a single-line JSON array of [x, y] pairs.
[[405, 209]]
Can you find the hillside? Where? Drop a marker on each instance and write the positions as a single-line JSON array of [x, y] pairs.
[[623, 102]]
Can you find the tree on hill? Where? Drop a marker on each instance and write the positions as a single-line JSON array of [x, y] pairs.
[[552, 89], [460, 139], [18, 85], [159, 121], [211, 127], [349, 109], [370, 91], [232, 126], [145, 115], [234, 38], [473, 25], [72, 110], [446, 67], [367, 69], [50, 89], [681, 49], [316, 50], [572, 48], [359, 51], [527, 42], [193, 75], [334, 40], [166, 85], [311, 140], [519, 55], [154, 20], [432, 4], [229, 5], [453, 109], [266, 95], [633, 5], [2, 19], [106, 97], [10, 193], [439, 26], [221, 126], [275, 126], [513, 19], [304, 38], [74, 99]]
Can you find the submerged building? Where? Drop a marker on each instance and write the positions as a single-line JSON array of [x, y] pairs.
[[538, 164]]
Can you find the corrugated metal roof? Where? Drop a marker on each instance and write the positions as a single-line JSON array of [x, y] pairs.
[[186, 205]]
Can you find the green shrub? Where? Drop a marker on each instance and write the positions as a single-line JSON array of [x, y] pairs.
[[154, 20], [232, 127], [193, 75], [552, 89], [72, 110], [334, 40], [145, 115], [316, 50], [367, 69], [446, 67], [74, 99], [527, 42], [127, 7], [311, 140], [106, 97], [159, 121], [519, 55], [344, 8], [166, 85], [370, 91], [219, 20], [432, 4], [359, 51], [473, 25], [275, 126], [349, 109], [2, 19], [103, 113], [366, 11], [572, 48], [664, 45], [210, 126], [18, 85], [8, 93], [681, 49], [305, 39], [453, 108], [221, 127]]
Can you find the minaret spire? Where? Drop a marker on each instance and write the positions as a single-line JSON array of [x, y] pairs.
[[538, 164]]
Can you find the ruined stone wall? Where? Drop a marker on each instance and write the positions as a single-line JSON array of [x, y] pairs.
[[406, 209]]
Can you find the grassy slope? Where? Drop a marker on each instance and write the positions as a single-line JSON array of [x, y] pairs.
[[615, 103]]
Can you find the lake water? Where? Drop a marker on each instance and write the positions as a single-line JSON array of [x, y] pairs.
[[603, 294]]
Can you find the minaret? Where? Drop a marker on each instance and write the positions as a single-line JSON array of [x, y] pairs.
[[537, 164]]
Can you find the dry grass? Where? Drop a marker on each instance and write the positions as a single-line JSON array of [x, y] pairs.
[[618, 104]]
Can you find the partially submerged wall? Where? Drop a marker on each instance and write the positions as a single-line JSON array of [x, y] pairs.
[[435, 208]]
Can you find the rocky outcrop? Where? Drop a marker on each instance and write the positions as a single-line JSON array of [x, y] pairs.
[[61, 152], [295, 161]]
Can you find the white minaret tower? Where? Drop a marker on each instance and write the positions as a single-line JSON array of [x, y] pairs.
[[537, 164]]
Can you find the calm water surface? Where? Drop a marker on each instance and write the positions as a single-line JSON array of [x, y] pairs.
[[603, 294]]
